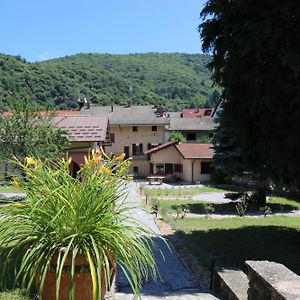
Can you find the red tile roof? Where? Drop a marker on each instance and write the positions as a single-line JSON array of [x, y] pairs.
[[163, 146], [188, 151], [195, 150], [197, 113], [69, 112], [83, 128]]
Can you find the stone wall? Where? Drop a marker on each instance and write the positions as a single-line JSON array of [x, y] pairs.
[[262, 280], [270, 280]]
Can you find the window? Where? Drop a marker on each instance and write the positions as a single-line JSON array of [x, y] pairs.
[[137, 149], [178, 168], [169, 168], [154, 128], [112, 137], [191, 136], [160, 168], [135, 128], [135, 169], [134, 151], [141, 149], [205, 167]]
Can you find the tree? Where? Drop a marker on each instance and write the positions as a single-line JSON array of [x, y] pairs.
[[256, 60], [177, 136], [26, 132]]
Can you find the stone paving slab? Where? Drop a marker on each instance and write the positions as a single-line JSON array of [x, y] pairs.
[[170, 296], [174, 274]]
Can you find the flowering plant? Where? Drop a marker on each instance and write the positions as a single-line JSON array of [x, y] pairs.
[[63, 217]]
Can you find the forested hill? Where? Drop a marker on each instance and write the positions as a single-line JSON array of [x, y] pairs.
[[174, 80]]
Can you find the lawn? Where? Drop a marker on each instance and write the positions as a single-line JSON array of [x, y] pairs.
[[11, 293], [277, 204], [9, 189], [185, 191], [235, 240]]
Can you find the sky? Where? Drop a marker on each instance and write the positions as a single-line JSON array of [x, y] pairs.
[[43, 29]]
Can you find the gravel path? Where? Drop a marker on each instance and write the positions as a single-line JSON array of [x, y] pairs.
[[211, 197]]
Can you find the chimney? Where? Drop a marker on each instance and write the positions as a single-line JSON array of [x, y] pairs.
[[87, 104], [80, 103], [159, 111]]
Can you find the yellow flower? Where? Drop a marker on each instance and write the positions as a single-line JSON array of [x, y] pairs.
[[108, 181], [106, 170], [120, 157], [31, 161], [102, 151], [16, 183], [96, 160]]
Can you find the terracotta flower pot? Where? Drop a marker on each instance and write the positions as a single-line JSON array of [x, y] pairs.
[[82, 277]]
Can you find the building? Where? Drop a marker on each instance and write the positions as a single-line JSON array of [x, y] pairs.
[[194, 124], [85, 134], [133, 130], [187, 162]]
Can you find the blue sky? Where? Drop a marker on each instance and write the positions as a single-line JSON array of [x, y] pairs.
[[43, 29]]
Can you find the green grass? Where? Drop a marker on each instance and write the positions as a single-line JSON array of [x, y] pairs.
[[9, 189], [183, 191], [7, 289], [277, 204], [12, 295], [235, 240]]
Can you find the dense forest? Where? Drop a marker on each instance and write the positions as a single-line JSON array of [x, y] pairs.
[[173, 80]]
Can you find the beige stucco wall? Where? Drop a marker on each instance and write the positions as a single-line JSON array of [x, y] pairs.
[[167, 155], [171, 155], [144, 168], [195, 165], [124, 136]]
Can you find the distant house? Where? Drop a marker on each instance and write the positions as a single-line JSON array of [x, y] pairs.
[[85, 134], [192, 123], [133, 130], [187, 162]]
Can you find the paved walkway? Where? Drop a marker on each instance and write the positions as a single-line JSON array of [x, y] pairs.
[[177, 282]]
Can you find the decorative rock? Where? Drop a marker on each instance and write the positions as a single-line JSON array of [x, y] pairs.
[[271, 280], [12, 196]]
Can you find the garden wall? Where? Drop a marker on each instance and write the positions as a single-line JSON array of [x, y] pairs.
[[264, 280]]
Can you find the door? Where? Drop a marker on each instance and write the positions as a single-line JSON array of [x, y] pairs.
[[126, 151]]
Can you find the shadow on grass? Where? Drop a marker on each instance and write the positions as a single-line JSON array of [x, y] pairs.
[[200, 208], [8, 275], [234, 246]]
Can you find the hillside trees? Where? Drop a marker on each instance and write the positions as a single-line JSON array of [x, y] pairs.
[[256, 60], [172, 80]]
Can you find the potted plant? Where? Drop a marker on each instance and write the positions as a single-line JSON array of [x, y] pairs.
[[72, 230]]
